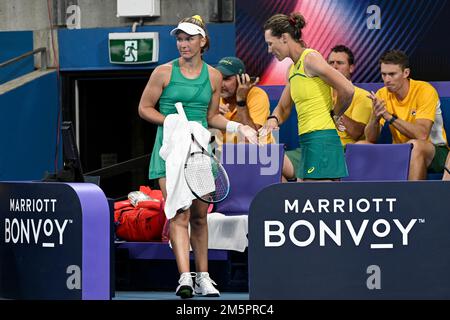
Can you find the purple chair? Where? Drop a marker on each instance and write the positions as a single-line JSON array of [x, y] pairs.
[[250, 168], [377, 162]]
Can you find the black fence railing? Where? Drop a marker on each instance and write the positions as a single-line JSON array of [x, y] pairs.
[[42, 51], [121, 167]]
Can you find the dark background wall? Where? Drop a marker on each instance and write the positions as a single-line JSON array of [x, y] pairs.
[[418, 27], [28, 129], [13, 44]]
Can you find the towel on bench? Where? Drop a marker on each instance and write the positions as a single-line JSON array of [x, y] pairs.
[[227, 232]]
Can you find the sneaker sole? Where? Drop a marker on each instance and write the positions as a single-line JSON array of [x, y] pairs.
[[208, 295], [185, 292]]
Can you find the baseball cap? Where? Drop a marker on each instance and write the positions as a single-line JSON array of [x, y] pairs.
[[189, 28], [230, 66]]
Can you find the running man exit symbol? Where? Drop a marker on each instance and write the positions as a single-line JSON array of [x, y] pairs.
[[131, 51], [133, 47]]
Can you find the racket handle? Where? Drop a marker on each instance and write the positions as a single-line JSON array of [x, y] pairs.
[[180, 109]]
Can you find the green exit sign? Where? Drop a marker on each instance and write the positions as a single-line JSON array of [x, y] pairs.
[[133, 47]]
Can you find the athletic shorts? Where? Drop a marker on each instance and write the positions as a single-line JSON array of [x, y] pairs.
[[321, 156], [438, 163]]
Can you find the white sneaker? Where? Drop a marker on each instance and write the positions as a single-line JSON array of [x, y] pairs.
[[204, 285], [186, 288]]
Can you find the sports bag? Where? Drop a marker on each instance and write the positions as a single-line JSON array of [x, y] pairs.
[[143, 222]]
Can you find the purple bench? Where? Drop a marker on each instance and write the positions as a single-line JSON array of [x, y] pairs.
[[377, 162], [161, 251]]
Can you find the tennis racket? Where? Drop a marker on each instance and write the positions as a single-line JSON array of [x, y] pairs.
[[204, 174]]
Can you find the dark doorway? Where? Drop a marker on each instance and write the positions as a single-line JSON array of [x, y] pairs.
[[111, 131]]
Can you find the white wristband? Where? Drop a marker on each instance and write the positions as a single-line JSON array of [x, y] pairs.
[[232, 126]]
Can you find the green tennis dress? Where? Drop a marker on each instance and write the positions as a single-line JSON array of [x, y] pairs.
[[194, 94]]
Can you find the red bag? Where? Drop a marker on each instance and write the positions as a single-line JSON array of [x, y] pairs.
[[144, 222]]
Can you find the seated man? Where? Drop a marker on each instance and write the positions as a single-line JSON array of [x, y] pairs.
[[352, 123], [243, 102], [412, 109]]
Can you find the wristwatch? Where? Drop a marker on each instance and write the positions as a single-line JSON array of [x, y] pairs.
[[242, 103], [392, 120]]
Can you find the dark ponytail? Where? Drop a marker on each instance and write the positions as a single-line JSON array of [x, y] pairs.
[[291, 24]]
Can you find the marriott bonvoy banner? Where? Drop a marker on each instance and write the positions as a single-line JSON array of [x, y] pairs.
[[55, 241], [41, 242], [34, 221]]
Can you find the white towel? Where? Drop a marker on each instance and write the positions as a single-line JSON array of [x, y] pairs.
[[226, 232]]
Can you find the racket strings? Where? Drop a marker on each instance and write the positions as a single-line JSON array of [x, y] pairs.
[[206, 178], [222, 184]]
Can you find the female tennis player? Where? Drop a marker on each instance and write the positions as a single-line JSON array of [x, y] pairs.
[[196, 85]]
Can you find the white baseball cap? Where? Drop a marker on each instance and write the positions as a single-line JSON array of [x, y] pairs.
[[189, 28]]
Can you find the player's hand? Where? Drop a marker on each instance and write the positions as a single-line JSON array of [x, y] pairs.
[[249, 133], [339, 122], [224, 108], [269, 126], [244, 84], [378, 106]]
